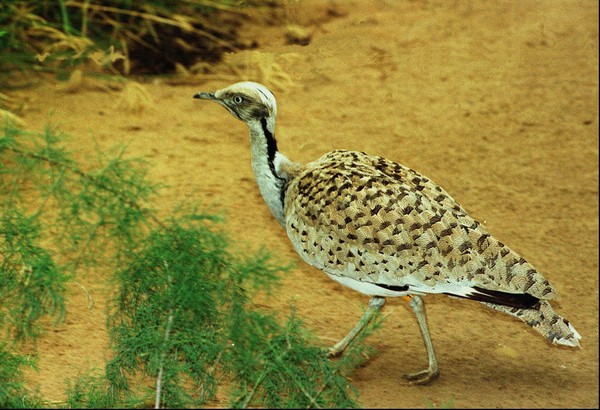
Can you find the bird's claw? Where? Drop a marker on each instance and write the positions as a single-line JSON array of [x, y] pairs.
[[423, 377], [334, 351]]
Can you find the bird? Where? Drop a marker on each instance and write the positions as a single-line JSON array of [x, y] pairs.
[[385, 230]]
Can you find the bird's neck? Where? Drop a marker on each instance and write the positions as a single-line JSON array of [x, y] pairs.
[[267, 164]]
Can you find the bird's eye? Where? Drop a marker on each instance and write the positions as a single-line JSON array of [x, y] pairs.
[[238, 99]]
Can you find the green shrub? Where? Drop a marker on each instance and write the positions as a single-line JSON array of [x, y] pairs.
[[181, 323]]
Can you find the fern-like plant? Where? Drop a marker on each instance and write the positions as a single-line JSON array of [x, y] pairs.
[[182, 323]]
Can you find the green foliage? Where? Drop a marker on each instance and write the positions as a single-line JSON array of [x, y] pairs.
[[182, 323], [31, 282], [283, 369], [31, 285], [166, 318], [13, 393], [48, 204], [189, 320], [89, 391], [87, 211]]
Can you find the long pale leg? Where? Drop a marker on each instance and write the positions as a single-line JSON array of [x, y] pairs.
[[375, 305], [432, 372]]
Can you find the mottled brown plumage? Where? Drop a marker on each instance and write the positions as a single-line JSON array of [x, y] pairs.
[[407, 229], [385, 230]]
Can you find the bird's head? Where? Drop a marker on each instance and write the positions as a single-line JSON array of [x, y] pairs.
[[247, 101]]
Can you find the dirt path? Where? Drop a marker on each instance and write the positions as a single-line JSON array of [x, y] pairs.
[[496, 101]]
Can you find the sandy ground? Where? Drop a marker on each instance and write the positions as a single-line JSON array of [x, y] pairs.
[[496, 101]]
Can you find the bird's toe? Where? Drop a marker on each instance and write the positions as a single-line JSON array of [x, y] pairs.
[[423, 377]]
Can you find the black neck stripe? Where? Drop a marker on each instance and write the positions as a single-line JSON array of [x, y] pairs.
[[271, 150], [271, 143]]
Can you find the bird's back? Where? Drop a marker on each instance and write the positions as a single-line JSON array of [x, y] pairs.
[[370, 219]]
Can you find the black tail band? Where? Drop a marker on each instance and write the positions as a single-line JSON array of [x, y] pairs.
[[516, 300]]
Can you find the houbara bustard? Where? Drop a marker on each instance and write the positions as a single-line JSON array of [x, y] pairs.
[[384, 230]]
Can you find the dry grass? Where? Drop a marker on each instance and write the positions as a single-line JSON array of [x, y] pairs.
[[86, 44]]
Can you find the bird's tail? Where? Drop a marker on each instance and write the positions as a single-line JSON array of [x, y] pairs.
[[542, 318]]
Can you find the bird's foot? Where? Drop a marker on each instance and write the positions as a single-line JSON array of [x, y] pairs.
[[423, 377], [335, 351]]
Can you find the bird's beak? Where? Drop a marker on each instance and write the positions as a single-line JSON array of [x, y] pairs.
[[205, 96]]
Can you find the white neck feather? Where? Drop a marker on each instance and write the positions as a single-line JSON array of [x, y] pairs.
[[268, 174]]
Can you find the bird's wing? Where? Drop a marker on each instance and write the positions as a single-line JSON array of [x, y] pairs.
[[369, 219]]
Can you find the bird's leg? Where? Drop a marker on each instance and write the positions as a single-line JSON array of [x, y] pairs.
[[375, 305], [432, 372]]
